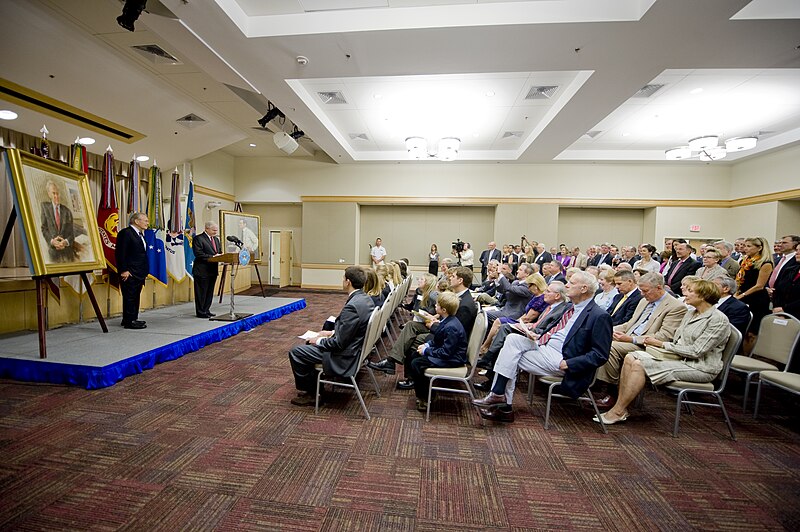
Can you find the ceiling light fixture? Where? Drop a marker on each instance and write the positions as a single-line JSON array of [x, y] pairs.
[[417, 148], [130, 13], [272, 113], [5, 114], [142, 158], [252, 145], [86, 141], [707, 148]]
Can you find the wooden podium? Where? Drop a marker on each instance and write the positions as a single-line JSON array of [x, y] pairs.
[[231, 260]]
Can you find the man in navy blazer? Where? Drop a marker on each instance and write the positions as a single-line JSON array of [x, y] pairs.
[[737, 312], [622, 311], [680, 268], [573, 349], [489, 254], [132, 265], [205, 246]]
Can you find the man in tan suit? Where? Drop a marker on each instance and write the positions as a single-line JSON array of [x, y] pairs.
[[578, 259], [658, 314]]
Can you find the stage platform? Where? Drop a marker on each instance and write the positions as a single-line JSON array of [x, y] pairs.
[[82, 355]]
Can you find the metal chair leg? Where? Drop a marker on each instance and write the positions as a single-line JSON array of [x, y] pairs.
[[727, 418], [547, 408], [678, 413], [374, 381], [316, 399], [430, 394], [597, 411], [758, 399], [748, 381], [360, 399]]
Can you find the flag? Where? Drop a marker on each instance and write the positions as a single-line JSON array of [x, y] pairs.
[[189, 231], [154, 236], [108, 218], [134, 203], [77, 161], [174, 238]]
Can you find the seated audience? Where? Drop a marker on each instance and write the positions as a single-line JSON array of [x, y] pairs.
[[730, 264], [516, 295], [424, 296], [711, 268], [535, 306], [657, 314], [608, 290], [694, 356], [573, 349], [485, 293], [373, 287], [647, 262], [551, 271], [447, 349], [737, 312], [338, 351], [624, 304]]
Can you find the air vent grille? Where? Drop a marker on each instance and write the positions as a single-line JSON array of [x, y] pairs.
[[156, 54], [191, 121], [332, 97], [511, 134], [541, 92], [359, 136], [648, 90]]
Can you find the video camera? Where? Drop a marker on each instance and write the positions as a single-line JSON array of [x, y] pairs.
[[458, 246]]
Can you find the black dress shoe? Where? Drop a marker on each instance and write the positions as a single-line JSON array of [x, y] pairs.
[[407, 384], [204, 316], [605, 401], [503, 415], [485, 363], [210, 315], [492, 400], [386, 365], [139, 322], [484, 386], [135, 325]]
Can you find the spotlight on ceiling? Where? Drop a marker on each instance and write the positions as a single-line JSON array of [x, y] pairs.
[[272, 113], [285, 142], [130, 13]]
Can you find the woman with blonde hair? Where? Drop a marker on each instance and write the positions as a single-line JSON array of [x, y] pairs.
[[373, 287], [609, 289], [537, 286], [395, 275], [752, 280], [384, 279]]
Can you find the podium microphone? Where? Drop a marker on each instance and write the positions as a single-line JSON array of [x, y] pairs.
[[235, 240]]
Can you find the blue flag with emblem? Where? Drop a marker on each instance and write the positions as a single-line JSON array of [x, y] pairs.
[[156, 256], [189, 231]]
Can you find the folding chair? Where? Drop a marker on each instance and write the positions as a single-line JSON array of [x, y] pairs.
[[553, 383]]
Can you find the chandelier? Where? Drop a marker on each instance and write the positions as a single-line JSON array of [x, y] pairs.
[[417, 148], [707, 148]]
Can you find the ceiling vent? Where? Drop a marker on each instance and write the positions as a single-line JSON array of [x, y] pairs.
[[593, 133], [191, 121], [332, 97], [541, 92], [512, 134], [358, 136], [648, 90], [155, 54]]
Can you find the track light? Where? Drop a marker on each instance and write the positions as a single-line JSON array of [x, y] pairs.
[[130, 13], [296, 134], [272, 113]]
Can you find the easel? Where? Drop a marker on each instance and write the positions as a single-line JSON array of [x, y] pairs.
[[42, 281], [222, 280]]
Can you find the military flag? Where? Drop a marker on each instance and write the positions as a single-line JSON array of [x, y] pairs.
[[108, 217], [154, 236], [174, 238], [189, 231]]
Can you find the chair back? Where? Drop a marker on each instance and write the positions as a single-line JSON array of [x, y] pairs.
[[730, 350], [371, 335], [777, 337], [476, 339]]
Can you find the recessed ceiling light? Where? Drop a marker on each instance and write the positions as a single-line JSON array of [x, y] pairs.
[[626, 134], [252, 145], [143, 158], [86, 141], [698, 90], [476, 134], [377, 96], [5, 114], [489, 93]]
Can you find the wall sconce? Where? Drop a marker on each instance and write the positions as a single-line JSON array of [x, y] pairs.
[[213, 204]]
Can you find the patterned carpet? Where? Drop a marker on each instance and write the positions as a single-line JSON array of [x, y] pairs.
[[210, 441]]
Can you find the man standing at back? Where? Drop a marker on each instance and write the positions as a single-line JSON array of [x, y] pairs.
[[205, 245], [487, 255], [339, 350], [377, 253], [132, 265]]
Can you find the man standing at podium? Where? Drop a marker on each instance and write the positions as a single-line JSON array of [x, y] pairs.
[[205, 245]]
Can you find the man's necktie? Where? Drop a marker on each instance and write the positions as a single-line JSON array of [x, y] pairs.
[[674, 271], [58, 218], [775, 272], [560, 325], [642, 325], [619, 304], [213, 244]]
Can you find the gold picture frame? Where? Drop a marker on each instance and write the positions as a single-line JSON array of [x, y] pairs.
[[56, 213], [241, 225]]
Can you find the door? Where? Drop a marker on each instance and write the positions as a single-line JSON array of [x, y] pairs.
[[285, 258], [274, 257]]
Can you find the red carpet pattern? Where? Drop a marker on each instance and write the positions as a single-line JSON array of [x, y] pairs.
[[210, 442]]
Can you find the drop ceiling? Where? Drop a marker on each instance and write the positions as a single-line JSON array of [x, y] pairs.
[[405, 68]]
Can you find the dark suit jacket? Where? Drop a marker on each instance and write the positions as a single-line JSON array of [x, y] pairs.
[[486, 256], [552, 318], [66, 231], [787, 289], [625, 312], [737, 312], [489, 287], [131, 254], [608, 258], [341, 352], [556, 277], [689, 267], [466, 314], [201, 245], [449, 346], [586, 348], [543, 257]]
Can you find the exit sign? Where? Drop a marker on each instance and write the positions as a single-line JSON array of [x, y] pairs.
[[694, 228]]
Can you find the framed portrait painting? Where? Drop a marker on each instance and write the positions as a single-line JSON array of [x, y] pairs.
[[56, 214], [245, 228]]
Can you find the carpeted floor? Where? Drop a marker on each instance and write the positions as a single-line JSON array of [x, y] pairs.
[[210, 441]]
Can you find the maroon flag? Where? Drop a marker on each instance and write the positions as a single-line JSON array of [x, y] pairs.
[[108, 217]]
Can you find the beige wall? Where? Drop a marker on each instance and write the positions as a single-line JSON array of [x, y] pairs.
[[773, 172], [215, 170], [788, 218], [753, 220], [408, 230], [278, 217], [583, 227], [328, 230], [535, 222]]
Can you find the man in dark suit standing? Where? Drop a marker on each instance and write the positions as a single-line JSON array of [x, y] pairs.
[[543, 257], [683, 266], [339, 350], [205, 245], [131, 255], [57, 226], [737, 312], [489, 254], [574, 348]]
